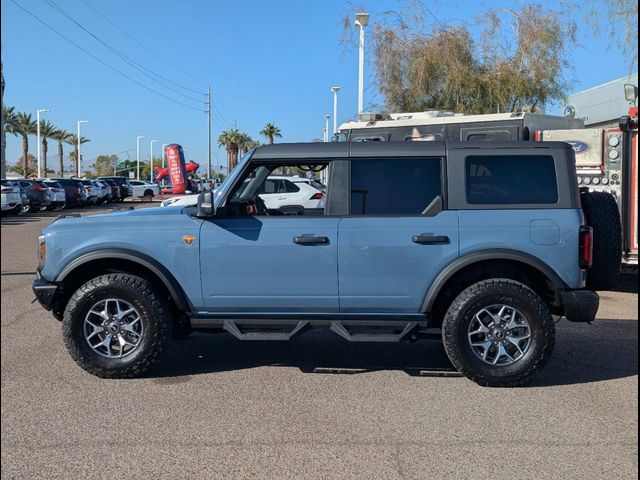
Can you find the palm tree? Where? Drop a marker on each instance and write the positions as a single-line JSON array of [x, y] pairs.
[[9, 118], [230, 139], [73, 141], [61, 135], [47, 130], [24, 126], [245, 143], [270, 131]]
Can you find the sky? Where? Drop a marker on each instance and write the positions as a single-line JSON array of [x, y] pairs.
[[269, 61]]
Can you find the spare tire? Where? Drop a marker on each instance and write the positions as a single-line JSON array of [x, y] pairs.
[[602, 214]]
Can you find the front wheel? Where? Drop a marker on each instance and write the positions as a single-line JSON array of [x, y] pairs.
[[116, 326], [498, 333]]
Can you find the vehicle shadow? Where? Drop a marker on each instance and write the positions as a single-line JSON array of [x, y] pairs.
[[606, 350]]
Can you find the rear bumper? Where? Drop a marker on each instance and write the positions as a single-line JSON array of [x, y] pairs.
[[580, 305], [45, 292]]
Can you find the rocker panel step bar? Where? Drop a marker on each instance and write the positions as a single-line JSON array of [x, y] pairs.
[[286, 329]]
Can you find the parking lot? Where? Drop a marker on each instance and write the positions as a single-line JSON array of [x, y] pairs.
[[316, 407]]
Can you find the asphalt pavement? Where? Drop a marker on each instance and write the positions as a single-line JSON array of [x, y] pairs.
[[315, 407]]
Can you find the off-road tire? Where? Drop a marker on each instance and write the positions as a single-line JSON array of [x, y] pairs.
[[489, 292], [153, 311], [602, 214]]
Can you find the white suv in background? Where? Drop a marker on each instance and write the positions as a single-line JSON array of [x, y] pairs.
[[144, 189], [282, 191], [277, 192]]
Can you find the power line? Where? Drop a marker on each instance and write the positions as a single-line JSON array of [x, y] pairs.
[[141, 68], [102, 61], [432, 14], [145, 47]]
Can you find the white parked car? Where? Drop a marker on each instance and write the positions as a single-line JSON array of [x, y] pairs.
[[277, 192], [11, 198], [144, 189], [93, 192], [58, 195]]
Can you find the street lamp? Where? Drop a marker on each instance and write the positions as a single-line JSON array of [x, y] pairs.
[[38, 112], [163, 147], [78, 159], [335, 108], [326, 128], [138, 138], [361, 21], [151, 164]]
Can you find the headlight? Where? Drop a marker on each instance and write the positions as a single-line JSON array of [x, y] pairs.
[[169, 201]]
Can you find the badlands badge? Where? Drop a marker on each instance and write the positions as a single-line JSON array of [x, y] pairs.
[[188, 239]]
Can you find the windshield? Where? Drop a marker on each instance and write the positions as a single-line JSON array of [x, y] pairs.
[[222, 190]]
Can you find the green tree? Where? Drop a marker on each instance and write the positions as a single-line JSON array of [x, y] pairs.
[[518, 61], [270, 131], [61, 136], [8, 118], [105, 165], [47, 130], [28, 167], [73, 141], [230, 139], [24, 126]]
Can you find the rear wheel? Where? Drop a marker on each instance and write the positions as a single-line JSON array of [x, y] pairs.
[[602, 214], [498, 333], [116, 326]]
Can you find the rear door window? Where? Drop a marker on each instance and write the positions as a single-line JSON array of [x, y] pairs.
[[394, 186], [511, 179]]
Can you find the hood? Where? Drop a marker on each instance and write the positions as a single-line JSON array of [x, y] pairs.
[[117, 219]]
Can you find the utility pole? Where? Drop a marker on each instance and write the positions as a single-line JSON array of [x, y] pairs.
[[3, 168], [209, 130]]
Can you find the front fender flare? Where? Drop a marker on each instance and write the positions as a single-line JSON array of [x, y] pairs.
[[168, 280]]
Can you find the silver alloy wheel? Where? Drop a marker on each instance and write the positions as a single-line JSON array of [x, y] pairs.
[[113, 328], [499, 335]]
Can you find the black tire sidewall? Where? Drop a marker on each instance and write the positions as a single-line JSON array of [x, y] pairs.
[[101, 288], [457, 325]]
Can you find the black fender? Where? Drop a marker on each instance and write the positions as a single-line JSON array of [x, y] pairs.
[[165, 276], [492, 254]]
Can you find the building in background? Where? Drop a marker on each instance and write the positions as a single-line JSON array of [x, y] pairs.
[[603, 105]]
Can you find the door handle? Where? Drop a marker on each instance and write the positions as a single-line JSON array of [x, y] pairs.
[[427, 239], [311, 240]]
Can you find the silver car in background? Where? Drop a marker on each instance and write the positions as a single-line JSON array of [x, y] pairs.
[[57, 195], [93, 193], [104, 191]]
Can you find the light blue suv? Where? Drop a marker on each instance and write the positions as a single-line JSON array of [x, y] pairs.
[[486, 241]]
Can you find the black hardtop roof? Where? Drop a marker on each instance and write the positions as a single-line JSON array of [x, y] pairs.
[[377, 149]]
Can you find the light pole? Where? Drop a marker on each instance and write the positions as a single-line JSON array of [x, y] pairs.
[[79, 157], [326, 128], [361, 21], [335, 108], [163, 147], [138, 138], [38, 112], [151, 164]]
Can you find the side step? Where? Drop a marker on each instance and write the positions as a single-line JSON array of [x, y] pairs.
[[394, 330]]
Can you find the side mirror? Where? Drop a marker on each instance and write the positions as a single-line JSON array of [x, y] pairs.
[[205, 205]]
